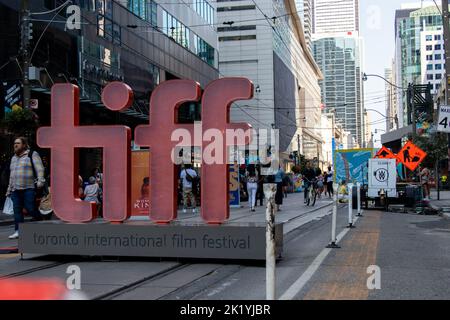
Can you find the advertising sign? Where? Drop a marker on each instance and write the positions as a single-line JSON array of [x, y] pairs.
[[234, 186], [351, 165], [140, 183], [12, 93]]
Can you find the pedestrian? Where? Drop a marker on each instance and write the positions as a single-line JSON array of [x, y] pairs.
[[279, 176], [308, 176], [187, 177], [80, 188], [92, 193], [98, 175], [424, 181], [252, 185], [329, 181], [260, 191], [26, 178]]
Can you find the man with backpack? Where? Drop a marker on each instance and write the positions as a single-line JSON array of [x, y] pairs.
[[26, 178], [188, 179]]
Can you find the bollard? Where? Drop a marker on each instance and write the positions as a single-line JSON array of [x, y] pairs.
[[358, 190], [333, 244], [350, 206], [269, 192]]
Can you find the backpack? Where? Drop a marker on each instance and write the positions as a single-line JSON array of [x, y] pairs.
[[189, 178]]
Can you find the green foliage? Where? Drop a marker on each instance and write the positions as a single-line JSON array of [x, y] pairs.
[[23, 122], [436, 146]]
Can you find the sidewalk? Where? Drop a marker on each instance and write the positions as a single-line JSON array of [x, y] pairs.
[[442, 205], [409, 252]]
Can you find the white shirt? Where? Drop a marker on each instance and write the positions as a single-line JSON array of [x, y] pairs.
[[330, 176], [186, 183]]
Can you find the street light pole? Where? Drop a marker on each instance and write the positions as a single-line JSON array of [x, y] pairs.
[[25, 48], [446, 27]]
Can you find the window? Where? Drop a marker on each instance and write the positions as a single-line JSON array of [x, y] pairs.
[[204, 10], [238, 38], [429, 67], [438, 66], [438, 86], [429, 48], [429, 38], [430, 77], [437, 47], [438, 76], [236, 8], [429, 57], [203, 50], [238, 28], [437, 56], [437, 37]]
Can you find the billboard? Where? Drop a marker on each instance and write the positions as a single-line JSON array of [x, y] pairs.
[[140, 183], [351, 166]]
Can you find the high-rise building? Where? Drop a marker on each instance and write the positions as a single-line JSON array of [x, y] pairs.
[[335, 16], [419, 51], [305, 11], [279, 63], [391, 99], [340, 59]]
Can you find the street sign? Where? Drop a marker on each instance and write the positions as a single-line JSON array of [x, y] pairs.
[[34, 104], [411, 156], [443, 124], [385, 153]]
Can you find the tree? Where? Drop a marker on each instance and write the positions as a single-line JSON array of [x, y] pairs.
[[20, 122], [436, 147]]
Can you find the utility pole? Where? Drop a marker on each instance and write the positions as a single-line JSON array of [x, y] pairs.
[[446, 26], [411, 94], [25, 51], [298, 149]]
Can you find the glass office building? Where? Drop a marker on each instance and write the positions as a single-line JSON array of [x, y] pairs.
[[340, 62]]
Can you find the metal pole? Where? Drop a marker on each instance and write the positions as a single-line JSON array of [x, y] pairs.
[[25, 42], [350, 206], [446, 27], [333, 244], [358, 190], [269, 192]]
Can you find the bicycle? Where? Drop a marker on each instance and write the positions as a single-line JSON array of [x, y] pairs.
[[311, 193]]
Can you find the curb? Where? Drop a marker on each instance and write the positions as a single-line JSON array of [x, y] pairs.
[[10, 222]]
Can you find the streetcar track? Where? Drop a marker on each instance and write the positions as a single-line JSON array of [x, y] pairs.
[[32, 270], [136, 284]]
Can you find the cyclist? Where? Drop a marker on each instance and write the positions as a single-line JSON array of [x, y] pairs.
[[309, 175]]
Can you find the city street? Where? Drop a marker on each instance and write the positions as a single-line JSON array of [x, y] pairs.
[[410, 250]]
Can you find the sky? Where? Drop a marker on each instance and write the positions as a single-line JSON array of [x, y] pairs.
[[377, 29]]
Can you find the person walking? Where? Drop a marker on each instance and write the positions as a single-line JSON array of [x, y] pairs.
[[329, 181], [308, 175], [260, 191], [279, 176], [425, 182], [26, 178], [187, 177], [252, 185]]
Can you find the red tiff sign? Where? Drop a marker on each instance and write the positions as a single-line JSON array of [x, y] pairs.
[[65, 136]]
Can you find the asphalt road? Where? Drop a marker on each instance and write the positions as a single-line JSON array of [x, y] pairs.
[[411, 251]]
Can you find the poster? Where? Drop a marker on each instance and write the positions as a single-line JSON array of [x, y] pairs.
[[351, 166], [140, 183], [234, 186]]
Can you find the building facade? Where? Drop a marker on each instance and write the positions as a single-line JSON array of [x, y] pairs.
[[140, 42], [277, 59], [305, 10], [339, 58], [335, 16]]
